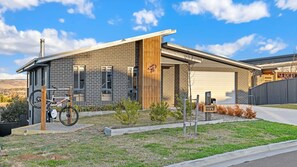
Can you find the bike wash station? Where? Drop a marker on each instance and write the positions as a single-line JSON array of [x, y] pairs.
[[208, 108], [68, 116]]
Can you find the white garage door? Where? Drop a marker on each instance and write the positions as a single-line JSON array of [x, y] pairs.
[[221, 85]]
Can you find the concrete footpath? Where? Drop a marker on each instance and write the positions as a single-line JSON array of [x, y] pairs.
[[241, 156], [281, 115]]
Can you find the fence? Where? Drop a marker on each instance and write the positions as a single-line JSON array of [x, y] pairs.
[[277, 92]]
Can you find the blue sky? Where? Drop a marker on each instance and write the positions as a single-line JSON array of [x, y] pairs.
[[238, 29]]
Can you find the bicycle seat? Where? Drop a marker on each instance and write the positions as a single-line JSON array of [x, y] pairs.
[[67, 95], [54, 87]]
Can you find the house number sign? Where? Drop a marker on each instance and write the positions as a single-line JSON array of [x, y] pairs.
[[152, 68]]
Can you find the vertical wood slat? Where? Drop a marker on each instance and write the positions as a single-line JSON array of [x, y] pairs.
[[150, 82], [43, 108]]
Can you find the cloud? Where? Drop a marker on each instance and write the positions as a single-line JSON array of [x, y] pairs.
[[12, 76], [272, 46], [26, 42], [228, 49], [2, 69], [61, 20], [286, 4], [145, 19], [172, 39], [23, 61], [84, 7], [115, 21], [226, 10]]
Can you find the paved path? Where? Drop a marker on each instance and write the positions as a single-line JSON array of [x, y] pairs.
[[287, 116], [281, 160]]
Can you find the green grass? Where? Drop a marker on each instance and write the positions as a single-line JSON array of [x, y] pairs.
[[287, 106], [89, 147]]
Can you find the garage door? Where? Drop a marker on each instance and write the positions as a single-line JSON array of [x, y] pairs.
[[221, 85]]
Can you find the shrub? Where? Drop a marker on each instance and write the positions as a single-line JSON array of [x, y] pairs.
[[250, 114], [230, 111], [178, 115], [14, 110], [180, 106], [238, 111], [159, 111], [201, 106], [222, 109], [130, 117]]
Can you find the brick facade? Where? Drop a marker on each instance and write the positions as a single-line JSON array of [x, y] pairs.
[[119, 57]]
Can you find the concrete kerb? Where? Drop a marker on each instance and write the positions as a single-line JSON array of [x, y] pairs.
[[51, 128], [116, 132], [241, 156]]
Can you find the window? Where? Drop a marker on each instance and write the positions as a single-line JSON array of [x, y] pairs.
[[31, 78], [79, 75], [132, 83], [106, 87], [42, 76], [36, 77]]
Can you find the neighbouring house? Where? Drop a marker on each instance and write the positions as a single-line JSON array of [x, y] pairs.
[[274, 68], [142, 68]]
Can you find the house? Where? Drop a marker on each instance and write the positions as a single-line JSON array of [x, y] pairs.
[[142, 68], [274, 68]]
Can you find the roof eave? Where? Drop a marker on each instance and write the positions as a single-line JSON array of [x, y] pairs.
[[211, 56]]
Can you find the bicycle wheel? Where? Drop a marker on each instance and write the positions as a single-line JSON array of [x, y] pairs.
[[35, 99], [68, 116]]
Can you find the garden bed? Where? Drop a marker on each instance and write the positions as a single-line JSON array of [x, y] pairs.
[[90, 147]]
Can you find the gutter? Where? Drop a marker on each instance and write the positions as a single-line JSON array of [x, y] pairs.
[[210, 56]]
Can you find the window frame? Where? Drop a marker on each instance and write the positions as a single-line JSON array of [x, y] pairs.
[[78, 92], [104, 86], [132, 81], [36, 77]]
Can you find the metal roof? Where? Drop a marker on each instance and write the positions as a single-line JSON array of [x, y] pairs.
[[209, 56], [88, 49]]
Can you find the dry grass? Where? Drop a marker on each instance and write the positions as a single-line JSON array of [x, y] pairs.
[[237, 111], [89, 147]]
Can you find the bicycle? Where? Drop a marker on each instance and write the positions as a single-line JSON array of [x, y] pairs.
[[68, 115]]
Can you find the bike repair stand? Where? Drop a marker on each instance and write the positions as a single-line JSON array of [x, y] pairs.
[[43, 109], [70, 93]]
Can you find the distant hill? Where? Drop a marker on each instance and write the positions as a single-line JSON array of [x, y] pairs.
[[13, 83]]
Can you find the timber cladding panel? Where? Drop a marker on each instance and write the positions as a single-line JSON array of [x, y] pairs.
[[150, 71]]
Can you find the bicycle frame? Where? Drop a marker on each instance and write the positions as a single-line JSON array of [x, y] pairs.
[[52, 101]]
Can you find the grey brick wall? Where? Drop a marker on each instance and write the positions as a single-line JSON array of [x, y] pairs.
[[181, 80], [119, 57], [168, 82]]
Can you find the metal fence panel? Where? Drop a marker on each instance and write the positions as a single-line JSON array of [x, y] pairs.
[[277, 92], [292, 93]]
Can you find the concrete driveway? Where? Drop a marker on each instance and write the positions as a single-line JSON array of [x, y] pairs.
[[287, 116]]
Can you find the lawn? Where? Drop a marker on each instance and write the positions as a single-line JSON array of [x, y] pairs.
[[89, 147], [288, 106]]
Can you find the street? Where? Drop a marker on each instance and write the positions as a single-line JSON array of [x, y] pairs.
[[282, 160]]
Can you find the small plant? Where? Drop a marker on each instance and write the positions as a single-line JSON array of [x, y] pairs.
[[159, 111], [180, 106], [230, 111], [201, 106], [130, 117], [250, 114], [178, 115], [238, 111], [14, 110]]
